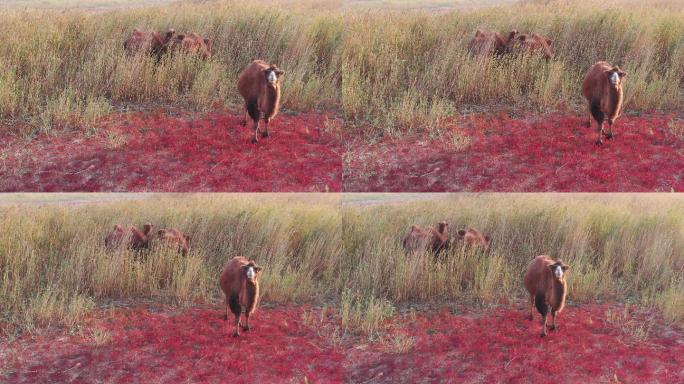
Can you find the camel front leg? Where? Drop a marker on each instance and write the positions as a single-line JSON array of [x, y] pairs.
[[265, 132], [553, 320], [599, 141], [245, 327], [543, 332], [531, 308], [237, 326], [609, 134], [246, 119], [255, 139]]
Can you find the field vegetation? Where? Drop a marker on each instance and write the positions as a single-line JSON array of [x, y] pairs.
[[54, 268], [625, 248], [67, 68], [390, 67], [407, 70]]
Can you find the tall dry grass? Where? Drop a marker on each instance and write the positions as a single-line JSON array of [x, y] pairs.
[[409, 70], [54, 267], [389, 70], [627, 248], [68, 68]]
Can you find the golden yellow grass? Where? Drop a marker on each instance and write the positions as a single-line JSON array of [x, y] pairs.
[[409, 70], [628, 248], [81, 4], [68, 68], [54, 268], [390, 66]]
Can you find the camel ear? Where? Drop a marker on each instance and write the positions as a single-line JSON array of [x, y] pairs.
[[622, 74], [565, 267], [161, 232], [187, 238], [549, 42], [487, 238], [478, 33], [257, 268], [461, 232], [279, 72]]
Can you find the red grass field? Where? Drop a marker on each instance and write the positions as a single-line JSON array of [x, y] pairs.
[[500, 345], [478, 346], [537, 153], [194, 345], [155, 152]]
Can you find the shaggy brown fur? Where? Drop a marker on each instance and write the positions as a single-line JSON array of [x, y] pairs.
[[471, 237], [490, 43], [150, 42], [262, 97], [547, 291], [602, 87], [418, 239], [242, 292], [141, 240], [115, 238], [174, 237], [193, 44], [532, 43], [133, 239]]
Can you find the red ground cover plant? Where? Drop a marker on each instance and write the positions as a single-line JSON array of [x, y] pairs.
[[450, 345], [537, 153], [194, 345], [191, 152], [500, 345]]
